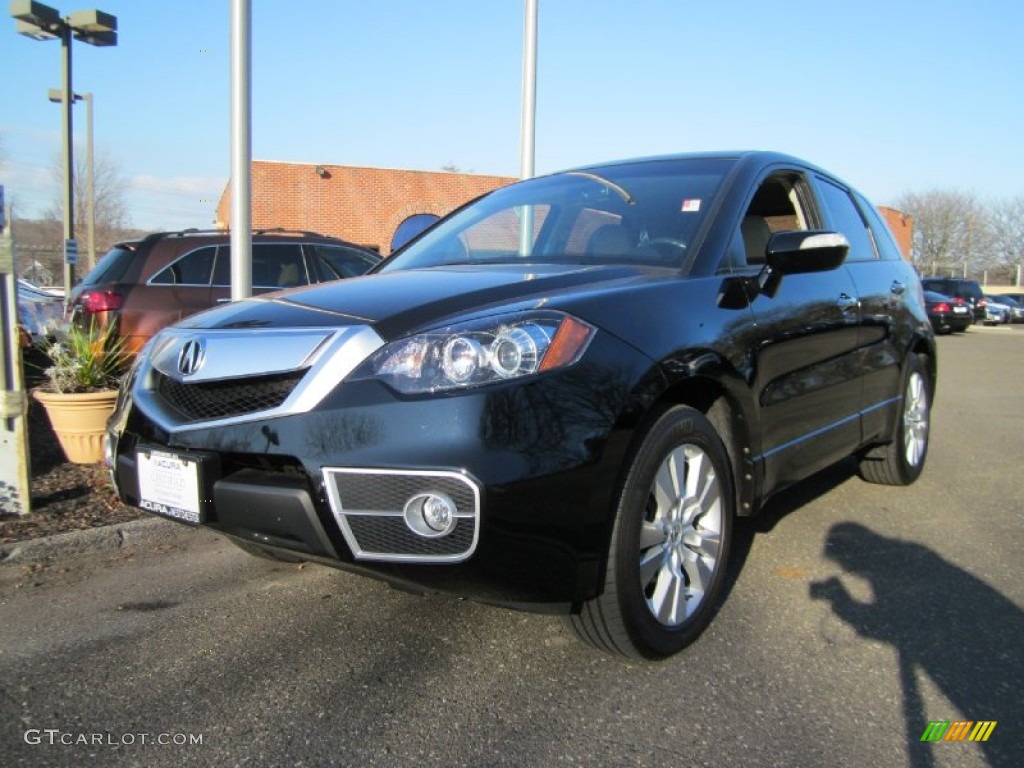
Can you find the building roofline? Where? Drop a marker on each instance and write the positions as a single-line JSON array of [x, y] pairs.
[[381, 168]]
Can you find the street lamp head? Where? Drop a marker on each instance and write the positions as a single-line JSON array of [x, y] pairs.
[[57, 96], [41, 22], [93, 21], [94, 27], [35, 13], [99, 39], [28, 29]]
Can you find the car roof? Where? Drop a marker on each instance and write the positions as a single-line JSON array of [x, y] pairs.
[[258, 235], [759, 157]]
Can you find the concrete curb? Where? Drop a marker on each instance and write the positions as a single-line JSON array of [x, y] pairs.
[[135, 533]]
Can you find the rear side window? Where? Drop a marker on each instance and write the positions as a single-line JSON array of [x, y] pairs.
[[884, 241], [193, 268], [335, 262], [845, 217], [112, 267]]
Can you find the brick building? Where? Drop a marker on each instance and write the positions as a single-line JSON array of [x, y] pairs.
[[362, 205], [902, 226], [366, 205]]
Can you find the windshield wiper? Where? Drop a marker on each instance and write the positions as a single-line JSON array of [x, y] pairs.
[[607, 182]]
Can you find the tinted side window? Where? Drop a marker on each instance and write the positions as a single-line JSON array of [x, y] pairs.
[[844, 216], [278, 265], [111, 267], [335, 262], [885, 243], [274, 265], [193, 268]]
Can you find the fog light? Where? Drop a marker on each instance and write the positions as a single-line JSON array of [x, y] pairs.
[[430, 514]]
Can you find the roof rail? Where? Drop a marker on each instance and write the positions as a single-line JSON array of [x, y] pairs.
[[286, 231]]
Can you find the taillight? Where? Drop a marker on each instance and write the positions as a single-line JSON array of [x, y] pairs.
[[982, 303], [942, 307], [100, 301]]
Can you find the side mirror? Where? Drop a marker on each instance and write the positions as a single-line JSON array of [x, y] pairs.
[[787, 253], [791, 253]]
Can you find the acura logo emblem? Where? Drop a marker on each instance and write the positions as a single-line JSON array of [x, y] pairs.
[[191, 357]]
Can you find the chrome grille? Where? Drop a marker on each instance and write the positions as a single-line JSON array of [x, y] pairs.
[[369, 505], [206, 401], [380, 533]]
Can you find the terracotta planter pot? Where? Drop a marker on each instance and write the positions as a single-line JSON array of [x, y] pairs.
[[79, 421]]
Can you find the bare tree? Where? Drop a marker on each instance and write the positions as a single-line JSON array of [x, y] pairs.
[[1006, 221], [950, 229], [111, 211]]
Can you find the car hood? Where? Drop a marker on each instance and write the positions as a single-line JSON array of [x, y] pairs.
[[401, 302]]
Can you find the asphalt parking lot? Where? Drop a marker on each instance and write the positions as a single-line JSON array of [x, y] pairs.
[[856, 615]]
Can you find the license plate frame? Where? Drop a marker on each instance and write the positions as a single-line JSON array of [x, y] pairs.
[[173, 484]]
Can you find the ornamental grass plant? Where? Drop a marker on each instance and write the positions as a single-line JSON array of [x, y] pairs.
[[83, 359]]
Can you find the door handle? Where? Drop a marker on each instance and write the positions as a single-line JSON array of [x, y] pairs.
[[223, 301]]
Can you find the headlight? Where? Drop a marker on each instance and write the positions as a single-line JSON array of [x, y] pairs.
[[473, 354]]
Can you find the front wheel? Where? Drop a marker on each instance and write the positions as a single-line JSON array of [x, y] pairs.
[[670, 543], [901, 461]]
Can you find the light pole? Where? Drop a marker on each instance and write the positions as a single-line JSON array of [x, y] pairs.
[[528, 114], [90, 172], [41, 22], [528, 120]]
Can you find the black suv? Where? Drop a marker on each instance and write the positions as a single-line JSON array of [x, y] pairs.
[[144, 285], [558, 397], [959, 288]]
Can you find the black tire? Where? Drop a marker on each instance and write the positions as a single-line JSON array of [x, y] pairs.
[[258, 551], [667, 558], [901, 461]]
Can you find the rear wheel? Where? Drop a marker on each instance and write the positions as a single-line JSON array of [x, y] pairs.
[[670, 543], [901, 461]]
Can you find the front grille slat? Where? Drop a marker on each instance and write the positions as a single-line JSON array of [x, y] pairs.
[[211, 400]]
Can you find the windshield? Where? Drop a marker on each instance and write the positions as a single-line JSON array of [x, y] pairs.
[[646, 212]]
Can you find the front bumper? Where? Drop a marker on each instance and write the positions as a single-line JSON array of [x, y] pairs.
[[531, 468]]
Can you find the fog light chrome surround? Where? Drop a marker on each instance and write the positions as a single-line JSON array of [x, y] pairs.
[[430, 515], [381, 513]]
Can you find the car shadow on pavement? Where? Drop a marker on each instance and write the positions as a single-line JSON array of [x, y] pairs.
[[942, 621]]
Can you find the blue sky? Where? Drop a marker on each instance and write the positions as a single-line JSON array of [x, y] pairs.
[[892, 96]]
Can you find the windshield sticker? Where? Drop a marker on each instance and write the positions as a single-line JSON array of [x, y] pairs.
[[691, 206]]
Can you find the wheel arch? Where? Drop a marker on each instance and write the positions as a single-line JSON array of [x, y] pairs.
[[925, 347], [723, 408], [719, 393]]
